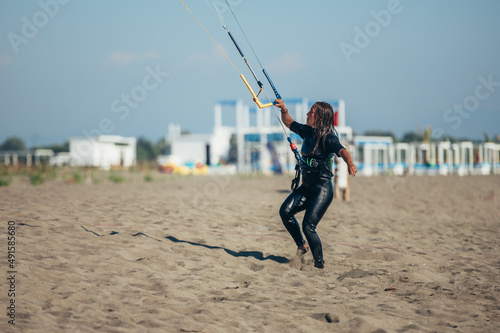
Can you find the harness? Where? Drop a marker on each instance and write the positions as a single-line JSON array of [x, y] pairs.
[[311, 166]]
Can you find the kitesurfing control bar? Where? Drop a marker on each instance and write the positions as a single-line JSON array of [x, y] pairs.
[[255, 98], [296, 153], [278, 96], [254, 76]]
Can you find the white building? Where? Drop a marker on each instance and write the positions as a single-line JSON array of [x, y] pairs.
[[208, 149], [104, 151], [260, 145]]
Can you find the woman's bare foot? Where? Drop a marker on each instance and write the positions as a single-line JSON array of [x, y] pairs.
[[303, 249]]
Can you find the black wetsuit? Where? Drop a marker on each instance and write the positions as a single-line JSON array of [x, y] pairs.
[[316, 192]]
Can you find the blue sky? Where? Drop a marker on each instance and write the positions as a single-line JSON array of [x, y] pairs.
[[67, 67]]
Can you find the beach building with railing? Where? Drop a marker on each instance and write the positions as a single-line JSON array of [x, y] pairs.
[[252, 140]]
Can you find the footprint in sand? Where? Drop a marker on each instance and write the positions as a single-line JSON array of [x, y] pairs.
[[328, 317], [425, 313], [255, 267]]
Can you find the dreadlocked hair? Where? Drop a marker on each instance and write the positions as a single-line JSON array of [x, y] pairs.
[[323, 121]]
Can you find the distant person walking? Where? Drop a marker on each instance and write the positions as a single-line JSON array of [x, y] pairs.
[[315, 193]]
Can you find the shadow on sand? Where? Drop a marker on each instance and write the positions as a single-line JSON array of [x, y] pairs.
[[255, 254]]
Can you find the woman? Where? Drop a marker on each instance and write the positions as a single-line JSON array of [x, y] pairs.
[[316, 192]]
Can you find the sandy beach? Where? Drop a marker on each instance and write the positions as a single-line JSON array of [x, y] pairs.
[[210, 254]]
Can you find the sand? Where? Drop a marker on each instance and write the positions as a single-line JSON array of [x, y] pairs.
[[210, 254]]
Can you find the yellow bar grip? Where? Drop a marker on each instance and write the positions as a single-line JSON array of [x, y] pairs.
[[255, 98]]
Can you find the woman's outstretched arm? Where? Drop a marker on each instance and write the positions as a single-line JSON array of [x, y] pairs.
[[348, 159], [285, 116]]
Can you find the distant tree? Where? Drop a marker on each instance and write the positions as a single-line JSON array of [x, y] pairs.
[[381, 133], [146, 150], [411, 137], [60, 148], [163, 147], [447, 137], [13, 143], [56, 148]]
